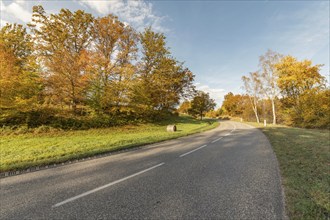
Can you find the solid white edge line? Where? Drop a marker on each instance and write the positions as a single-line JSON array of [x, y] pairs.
[[105, 186], [216, 140], [182, 155]]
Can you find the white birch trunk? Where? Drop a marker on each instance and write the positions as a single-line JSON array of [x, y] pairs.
[[274, 111]]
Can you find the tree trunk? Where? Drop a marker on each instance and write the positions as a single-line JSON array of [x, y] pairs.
[[255, 108], [274, 112], [201, 115], [73, 96], [256, 114]]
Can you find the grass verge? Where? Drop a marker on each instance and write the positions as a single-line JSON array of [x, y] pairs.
[[27, 150], [303, 156]]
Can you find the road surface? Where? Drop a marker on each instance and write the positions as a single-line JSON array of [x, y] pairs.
[[227, 173]]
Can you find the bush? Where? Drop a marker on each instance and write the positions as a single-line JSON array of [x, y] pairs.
[[45, 129], [21, 130], [50, 120]]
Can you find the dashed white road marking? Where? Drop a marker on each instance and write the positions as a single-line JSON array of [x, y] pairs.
[[182, 155], [224, 135], [105, 186], [216, 140]]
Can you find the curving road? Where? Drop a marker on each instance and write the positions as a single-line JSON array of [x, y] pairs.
[[227, 173]]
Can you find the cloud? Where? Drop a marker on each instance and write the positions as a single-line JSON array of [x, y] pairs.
[[139, 14], [16, 10], [308, 32], [215, 93], [21, 2], [102, 7]]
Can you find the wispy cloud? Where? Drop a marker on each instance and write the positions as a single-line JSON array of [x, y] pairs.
[[17, 10], [308, 32], [21, 2], [139, 14]]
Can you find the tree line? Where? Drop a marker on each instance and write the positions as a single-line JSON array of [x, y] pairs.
[[71, 65], [283, 90]]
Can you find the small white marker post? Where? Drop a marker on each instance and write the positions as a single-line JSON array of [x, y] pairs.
[[265, 123]]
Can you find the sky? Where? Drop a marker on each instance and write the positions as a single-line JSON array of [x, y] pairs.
[[219, 41]]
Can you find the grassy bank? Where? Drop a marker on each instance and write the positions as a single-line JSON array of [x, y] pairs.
[[303, 155], [27, 150]]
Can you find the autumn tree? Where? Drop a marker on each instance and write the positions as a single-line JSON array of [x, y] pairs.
[[315, 109], [111, 68], [297, 77], [153, 51], [172, 82], [268, 77], [9, 79], [184, 107], [230, 104], [20, 83], [212, 114], [299, 82], [62, 41], [201, 104], [73, 61], [162, 80], [15, 39], [252, 86], [237, 106]]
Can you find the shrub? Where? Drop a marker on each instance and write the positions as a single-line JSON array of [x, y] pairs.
[[45, 129]]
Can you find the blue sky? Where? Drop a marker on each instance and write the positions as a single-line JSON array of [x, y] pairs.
[[220, 41]]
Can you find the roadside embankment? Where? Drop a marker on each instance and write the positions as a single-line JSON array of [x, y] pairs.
[[29, 150]]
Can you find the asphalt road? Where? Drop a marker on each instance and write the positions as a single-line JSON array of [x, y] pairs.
[[227, 173]]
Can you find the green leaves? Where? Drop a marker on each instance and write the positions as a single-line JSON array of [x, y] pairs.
[[201, 104], [162, 80]]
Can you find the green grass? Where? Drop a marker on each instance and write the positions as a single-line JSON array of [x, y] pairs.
[[28, 150], [303, 156]]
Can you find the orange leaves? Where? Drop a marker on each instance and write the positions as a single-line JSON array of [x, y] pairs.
[[86, 61], [19, 83]]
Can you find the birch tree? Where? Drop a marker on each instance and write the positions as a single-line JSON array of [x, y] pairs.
[[269, 77], [252, 86]]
